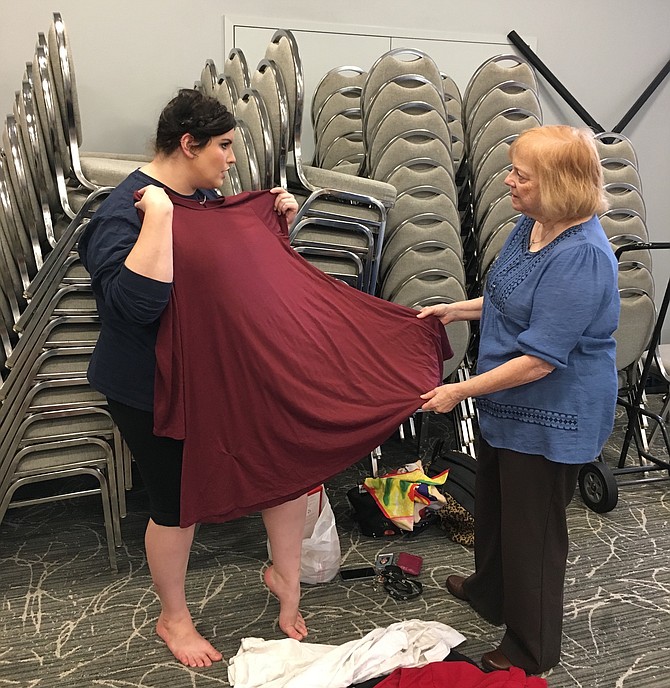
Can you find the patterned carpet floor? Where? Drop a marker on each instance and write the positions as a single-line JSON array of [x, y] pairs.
[[67, 620]]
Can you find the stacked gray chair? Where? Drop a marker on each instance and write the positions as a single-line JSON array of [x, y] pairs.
[[454, 104], [91, 170], [336, 119], [70, 196], [223, 88], [625, 220], [500, 102], [209, 79], [324, 194], [409, 144], [625, 223], [52, 424]]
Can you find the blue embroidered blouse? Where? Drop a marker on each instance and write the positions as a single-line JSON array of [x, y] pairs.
[[560, 304]]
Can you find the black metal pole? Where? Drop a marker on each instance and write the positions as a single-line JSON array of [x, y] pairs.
[[528, 53], [643, 98]]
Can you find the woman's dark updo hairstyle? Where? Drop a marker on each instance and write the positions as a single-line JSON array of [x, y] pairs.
[[191, 112]]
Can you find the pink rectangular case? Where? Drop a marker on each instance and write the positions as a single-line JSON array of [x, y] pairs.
[[410, 563]]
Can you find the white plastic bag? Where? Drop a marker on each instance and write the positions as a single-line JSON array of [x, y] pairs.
[[320, 560]]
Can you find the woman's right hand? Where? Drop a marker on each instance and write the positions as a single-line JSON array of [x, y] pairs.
[[153, 198], [442, 311]]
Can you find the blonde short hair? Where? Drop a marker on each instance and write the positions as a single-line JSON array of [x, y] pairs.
[[569, 173]]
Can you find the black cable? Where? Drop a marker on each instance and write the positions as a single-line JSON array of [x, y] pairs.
[[398, 586]]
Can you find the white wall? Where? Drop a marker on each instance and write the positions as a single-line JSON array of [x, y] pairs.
[[131, 56]]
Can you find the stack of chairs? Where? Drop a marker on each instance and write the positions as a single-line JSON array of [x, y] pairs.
[[342, 218], [52, 424], [500, 102], [453, 101], [332, 195], [336, 119], [86, 170], [408, 144], [625, 223]]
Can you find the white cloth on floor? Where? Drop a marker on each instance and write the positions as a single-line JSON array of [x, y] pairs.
[[289, 663]]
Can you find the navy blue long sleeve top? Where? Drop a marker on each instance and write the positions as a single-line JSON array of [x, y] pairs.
[[123, 363]]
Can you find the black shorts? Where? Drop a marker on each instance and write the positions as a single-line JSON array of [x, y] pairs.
[[158, 459]]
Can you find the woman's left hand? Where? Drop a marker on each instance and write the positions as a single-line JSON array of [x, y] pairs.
[[285, 204], [442, 399]]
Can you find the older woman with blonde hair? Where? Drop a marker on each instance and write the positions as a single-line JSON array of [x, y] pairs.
[[545, 389]]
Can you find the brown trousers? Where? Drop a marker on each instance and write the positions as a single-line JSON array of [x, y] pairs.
[[521, 549]]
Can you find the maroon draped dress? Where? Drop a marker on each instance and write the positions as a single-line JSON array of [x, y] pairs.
[[276, 376]]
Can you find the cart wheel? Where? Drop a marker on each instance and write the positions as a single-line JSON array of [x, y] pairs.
[[598, 487]]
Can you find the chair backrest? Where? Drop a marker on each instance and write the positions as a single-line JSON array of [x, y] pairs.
[[21, 186], [499, 212], [209, 78], [337, 79], [409, 116], [10, 277], [398, 62], [623, 196], [402, 89], [494, 71], [51, 124], [10, 223], [493, 188], [416, 258], [636, 322], [620, 221], [425, 284], [412, 234], [498, 128], [268, 81], [419, 199], [422, 171], [621, 171], [65, 87], [251, 109], [235, 67], [347, 148], [457, 142], [451, 91], [340, 124], [283, 51], [225, 92], [38, 165], [345, 99], [508, 94], [409, 146], [615, 145], [489, 251], [246, 162], [634, 275], [494, 160], [65, 83]]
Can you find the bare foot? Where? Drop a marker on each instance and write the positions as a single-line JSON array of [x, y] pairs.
[[290, 618], [186, 644]]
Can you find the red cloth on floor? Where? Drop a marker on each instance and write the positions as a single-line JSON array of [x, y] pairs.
[[459, 675], [276, 376]]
